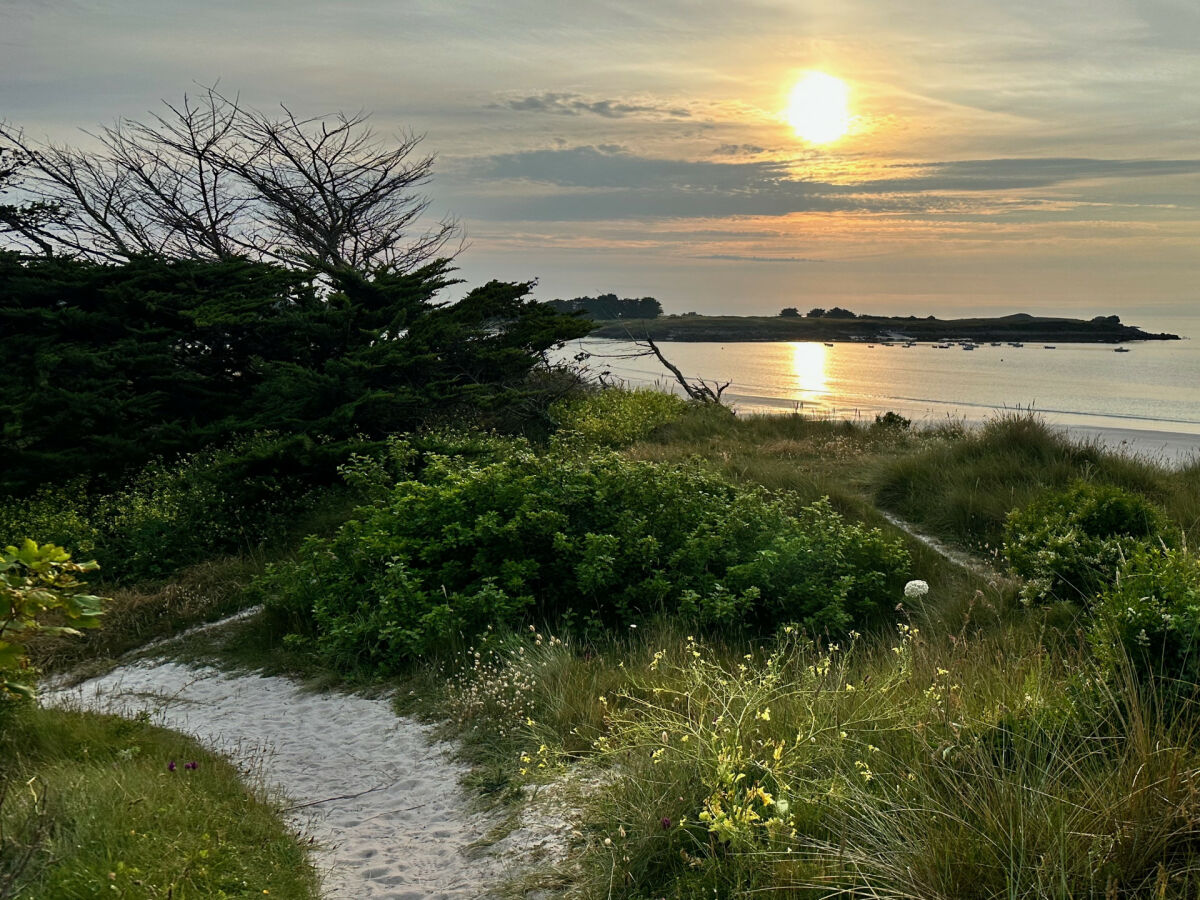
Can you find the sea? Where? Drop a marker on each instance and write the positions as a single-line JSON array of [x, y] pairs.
[[1144, 401]]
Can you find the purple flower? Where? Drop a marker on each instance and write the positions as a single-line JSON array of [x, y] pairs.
[[191, 765], [171, 766], [665, 823]]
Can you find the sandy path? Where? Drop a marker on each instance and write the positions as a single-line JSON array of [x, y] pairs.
[[403, 836]]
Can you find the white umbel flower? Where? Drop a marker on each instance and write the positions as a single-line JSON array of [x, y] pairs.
[[916, 589]]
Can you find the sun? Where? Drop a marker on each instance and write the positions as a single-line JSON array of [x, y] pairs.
[[818, 109]]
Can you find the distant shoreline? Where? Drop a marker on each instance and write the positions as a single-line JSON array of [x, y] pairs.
[[878, 329]]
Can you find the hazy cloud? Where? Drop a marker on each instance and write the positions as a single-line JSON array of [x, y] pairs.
[[738, 257], [610, 182], [739, 150], [575, 105]]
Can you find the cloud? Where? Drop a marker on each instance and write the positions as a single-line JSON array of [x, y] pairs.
[[611, 167], [576, 105], [599, 182], [1000, 174], [738, 257], [739, 150]]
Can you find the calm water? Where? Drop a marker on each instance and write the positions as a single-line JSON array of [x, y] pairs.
[[1148, 398]]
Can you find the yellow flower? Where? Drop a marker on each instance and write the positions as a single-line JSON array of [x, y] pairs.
[[765, 715]]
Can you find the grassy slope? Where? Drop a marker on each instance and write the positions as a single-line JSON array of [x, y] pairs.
[[93, 795], [975, 754], [961, 490], [997, 764]]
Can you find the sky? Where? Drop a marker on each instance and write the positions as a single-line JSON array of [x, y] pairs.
[[1020, 156]]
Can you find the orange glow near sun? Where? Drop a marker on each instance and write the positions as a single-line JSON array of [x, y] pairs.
[[819, 108]]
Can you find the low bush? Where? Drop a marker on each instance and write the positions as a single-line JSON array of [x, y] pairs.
[[1149, 618], [593, 540], [615, 417], [219, 500], [1069, 544]]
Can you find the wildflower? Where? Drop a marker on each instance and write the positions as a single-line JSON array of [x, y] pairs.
[[171, 766], [608, 842], [764, 715], [665, 823], [916, 589], [191, 765]]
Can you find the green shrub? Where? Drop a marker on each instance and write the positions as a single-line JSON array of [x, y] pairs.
[[615, 417], [1150, 616], [36, 584], [591, 539], [170, 514], [892, 420], [1069, 544], [962, 487]]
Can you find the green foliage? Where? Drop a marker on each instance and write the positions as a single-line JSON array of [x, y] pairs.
[[615, 417], [961, 486], [225, 499], [89, 798], [104, 367], [892, 419], [1069, 544], [592, 539], [38, 583], [1150, 618]]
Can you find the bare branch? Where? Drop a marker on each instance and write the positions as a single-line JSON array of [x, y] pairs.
[[211, 179], [696, 388]]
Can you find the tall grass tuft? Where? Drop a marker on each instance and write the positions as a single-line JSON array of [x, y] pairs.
[[962, 489]]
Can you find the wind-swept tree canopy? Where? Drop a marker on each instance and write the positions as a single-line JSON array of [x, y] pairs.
[[103, 366]]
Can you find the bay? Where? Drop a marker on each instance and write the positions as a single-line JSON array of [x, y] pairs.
[[1146, 400]]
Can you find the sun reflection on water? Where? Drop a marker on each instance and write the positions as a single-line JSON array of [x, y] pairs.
[[808, 367]]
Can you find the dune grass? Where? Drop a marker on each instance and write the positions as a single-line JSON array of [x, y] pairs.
[[961, 490], [988, 762], [91, 809]]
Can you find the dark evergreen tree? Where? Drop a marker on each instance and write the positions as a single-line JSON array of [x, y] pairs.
[[104, 366]]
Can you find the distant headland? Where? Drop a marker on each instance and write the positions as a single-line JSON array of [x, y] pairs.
[[845, 326]]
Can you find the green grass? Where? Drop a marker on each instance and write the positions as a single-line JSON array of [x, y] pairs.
[[91, 810], [962, 489]]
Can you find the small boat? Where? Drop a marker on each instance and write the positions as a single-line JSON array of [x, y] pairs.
[[827, 344], [1120, 350], [1015, 344], [968, 346], [994, 344], [1049, 347]]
